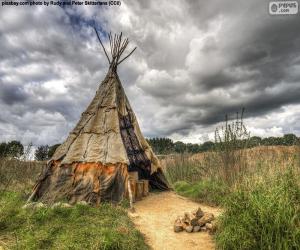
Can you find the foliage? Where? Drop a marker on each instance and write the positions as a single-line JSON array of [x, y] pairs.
[[254, 141], [78, 227], [207, 146], [167, 146], [41, 154], [3, 149], [179, 146], [290, 139], [162, 145], [15, 148], [262, 214], [52, 150], [11, 149]]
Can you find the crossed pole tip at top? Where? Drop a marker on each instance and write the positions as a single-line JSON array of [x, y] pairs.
[[117, 47]]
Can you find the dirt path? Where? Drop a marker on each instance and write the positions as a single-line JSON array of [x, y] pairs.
[[155, 216]]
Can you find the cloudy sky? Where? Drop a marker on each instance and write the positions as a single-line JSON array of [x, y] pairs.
[[196, 61]]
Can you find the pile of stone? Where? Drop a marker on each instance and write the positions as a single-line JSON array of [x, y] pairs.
[[197, 221]]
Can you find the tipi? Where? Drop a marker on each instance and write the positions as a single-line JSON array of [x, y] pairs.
[[92, 164]]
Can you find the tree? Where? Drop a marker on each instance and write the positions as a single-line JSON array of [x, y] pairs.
[[206, 146], [193, 148], [52, 150], [290, 139], [15, 149], [3, 149], [255, 141], [179, 147], [161, 145], [41, 154]]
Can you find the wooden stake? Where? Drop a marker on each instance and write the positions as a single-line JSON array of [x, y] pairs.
[[139, 190]]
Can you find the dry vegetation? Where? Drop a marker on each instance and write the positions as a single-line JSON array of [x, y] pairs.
[[209, 165], [16, 175], [258, 188]]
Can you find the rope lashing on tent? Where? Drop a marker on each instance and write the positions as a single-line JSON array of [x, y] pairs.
[[118, 45]]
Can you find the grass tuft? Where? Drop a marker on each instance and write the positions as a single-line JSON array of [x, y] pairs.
[[264, 215]]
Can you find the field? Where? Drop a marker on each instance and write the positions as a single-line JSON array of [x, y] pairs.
[[258, 189]]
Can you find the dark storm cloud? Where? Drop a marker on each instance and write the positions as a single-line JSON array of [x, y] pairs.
[[250, 59], [12, 94], [195, 62]]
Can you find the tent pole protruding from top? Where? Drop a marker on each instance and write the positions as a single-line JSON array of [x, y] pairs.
[[117, 47]]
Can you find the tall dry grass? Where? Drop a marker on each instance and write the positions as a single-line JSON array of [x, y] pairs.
[[19, 175], [232, 160]]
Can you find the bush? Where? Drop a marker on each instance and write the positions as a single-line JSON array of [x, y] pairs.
[[262, 215]]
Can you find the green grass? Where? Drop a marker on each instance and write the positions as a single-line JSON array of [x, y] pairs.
[[209, 191], [78, 227], [262, 215]]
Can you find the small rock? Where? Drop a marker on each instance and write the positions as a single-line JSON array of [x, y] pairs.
[[196, 228], [189, 229], [56, 204], [39, 205], [66, 205], [29, 205], [203, 229], [132, 209], [133, 215], [178, 228], [198, 213], [34, 205], [207, 218], [212, 227], [82, 203]]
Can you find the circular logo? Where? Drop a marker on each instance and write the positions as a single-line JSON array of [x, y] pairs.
[[274, 7]]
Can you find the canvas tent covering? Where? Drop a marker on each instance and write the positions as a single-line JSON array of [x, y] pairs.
[[107, 143]]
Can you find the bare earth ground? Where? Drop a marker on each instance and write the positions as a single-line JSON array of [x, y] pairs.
[[155, 216]]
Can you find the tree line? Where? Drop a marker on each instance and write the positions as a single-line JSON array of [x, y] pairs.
[[167, 146], [159, 145], [16, 149]]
